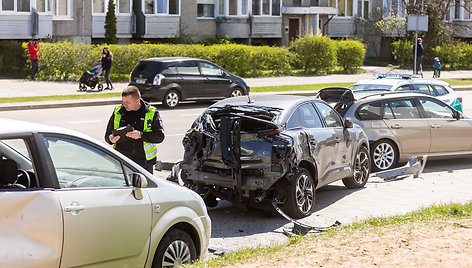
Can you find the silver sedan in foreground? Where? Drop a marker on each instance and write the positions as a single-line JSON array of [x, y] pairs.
[[67, 200]]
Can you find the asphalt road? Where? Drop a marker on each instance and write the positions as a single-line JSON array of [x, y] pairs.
[[233, 228]]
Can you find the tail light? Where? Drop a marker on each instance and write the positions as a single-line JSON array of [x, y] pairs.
[[158, 79], [269, 132], [459, 99]]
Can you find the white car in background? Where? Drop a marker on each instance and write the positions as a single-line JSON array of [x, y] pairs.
[[67, 200], [410, 83]]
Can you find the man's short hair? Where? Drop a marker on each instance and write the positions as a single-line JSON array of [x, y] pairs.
[[131, 91]]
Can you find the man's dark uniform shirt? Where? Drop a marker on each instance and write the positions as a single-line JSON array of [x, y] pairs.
[[132, 148]]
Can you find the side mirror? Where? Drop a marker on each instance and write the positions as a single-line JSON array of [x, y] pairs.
[[348, 123], [138, 181]]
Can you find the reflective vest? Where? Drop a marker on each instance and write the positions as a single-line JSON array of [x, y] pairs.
[[149, 149]]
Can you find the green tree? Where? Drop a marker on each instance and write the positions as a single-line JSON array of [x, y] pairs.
[[110, 24]]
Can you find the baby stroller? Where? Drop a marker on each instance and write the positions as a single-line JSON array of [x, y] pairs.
[[90, 78]]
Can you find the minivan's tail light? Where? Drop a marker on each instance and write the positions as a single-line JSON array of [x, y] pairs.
[[158, 79], [459, 99], [269, 132]]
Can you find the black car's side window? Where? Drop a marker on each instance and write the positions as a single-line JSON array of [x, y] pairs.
[[210, 69], [294, 121], [404, 109], [171, 69], [188, 67], [435, 109], [369, 111], [309, 117], [330, 116]]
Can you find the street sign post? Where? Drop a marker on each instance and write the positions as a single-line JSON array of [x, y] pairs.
[[417, 24]]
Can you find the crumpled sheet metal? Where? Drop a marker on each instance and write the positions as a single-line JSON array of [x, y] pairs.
[[415, 167], [30, 229]]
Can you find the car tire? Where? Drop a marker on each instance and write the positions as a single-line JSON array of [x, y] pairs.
[[361, 170], [171, 99], [236, 92], [384, 155], [300, 200], [175, 249]]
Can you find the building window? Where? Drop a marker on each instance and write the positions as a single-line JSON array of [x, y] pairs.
[[266, 7], [16, 5], [345, 7], [457, 10], [161, 7], [466, 14], [123, 6], [363, 9], [205, 10], [61, 7], [43, 5], [394, 7], [98, 6]]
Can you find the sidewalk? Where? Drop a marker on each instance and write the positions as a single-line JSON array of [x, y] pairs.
[[25, 88]]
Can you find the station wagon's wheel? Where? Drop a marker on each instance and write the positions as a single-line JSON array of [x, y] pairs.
[[384, 155], [175, 249], [236, 92], [171, 99], [300, 199], [361, 170]]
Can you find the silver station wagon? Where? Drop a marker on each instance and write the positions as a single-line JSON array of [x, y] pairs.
[[67, 201], [402, 125]]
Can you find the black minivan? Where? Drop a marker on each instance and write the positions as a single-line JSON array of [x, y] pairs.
[[174, 79]]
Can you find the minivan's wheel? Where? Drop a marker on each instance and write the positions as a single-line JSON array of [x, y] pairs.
[[236, 92], [384, 155], [171, 99], [300, 199], [361, 170], [175, 249]]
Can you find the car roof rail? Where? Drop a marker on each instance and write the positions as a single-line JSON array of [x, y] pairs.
[[403, 76]]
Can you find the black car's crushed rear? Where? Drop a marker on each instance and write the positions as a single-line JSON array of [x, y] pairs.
[[236, 153]]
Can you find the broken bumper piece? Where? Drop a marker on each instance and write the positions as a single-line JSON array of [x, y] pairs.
[[415, 167]]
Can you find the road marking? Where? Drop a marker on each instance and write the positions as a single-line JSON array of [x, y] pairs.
[[173, 135], [190, 114], [86, 122]]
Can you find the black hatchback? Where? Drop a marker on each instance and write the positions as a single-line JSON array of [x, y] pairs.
[[174, 79]]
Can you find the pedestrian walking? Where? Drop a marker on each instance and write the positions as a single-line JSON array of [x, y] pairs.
[[437, 68], [106, 61], [135, 128], [33, 48], [419, 56]]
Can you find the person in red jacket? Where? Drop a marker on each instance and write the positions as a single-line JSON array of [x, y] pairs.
[[33, 48]]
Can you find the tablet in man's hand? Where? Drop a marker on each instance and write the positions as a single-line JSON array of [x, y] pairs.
[[122, 131]]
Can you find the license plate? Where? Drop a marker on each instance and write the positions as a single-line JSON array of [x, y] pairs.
[[140, 81]]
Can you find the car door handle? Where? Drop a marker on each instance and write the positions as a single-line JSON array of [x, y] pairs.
[[73, 208], [396, 126], [435, 126]]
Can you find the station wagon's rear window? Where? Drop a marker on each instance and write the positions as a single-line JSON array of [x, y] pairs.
[[369, 111]]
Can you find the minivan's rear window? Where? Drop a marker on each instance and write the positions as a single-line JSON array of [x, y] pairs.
[[148, 69]]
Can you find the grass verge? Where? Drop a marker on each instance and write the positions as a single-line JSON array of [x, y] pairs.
[[421, 216]]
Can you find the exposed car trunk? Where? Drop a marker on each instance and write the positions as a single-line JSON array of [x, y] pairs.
[[238, 148]]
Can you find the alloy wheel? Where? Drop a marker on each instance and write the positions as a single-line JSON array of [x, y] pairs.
[[383, 156], [176, 254], [304, 193], [172, 99], [236, 93], [361, 167]]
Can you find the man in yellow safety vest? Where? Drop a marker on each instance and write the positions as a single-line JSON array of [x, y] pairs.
[[143, 129]]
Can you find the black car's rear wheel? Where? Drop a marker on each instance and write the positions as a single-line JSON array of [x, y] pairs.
[[236, 92], [175, 249], [300, 200], [361, 170], [384, 155], [171, 99]]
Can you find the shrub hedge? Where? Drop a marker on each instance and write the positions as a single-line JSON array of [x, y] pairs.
[[68, 61]]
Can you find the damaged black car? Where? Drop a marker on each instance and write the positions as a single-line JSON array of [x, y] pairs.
[[251, 151]]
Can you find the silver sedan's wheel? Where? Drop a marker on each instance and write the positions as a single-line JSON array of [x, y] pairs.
[[175, 249], [384, 155], [236, 93], [171, 99], [300, 199], [361, 170]]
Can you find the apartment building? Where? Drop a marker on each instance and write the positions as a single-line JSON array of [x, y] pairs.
[[272, 22]]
